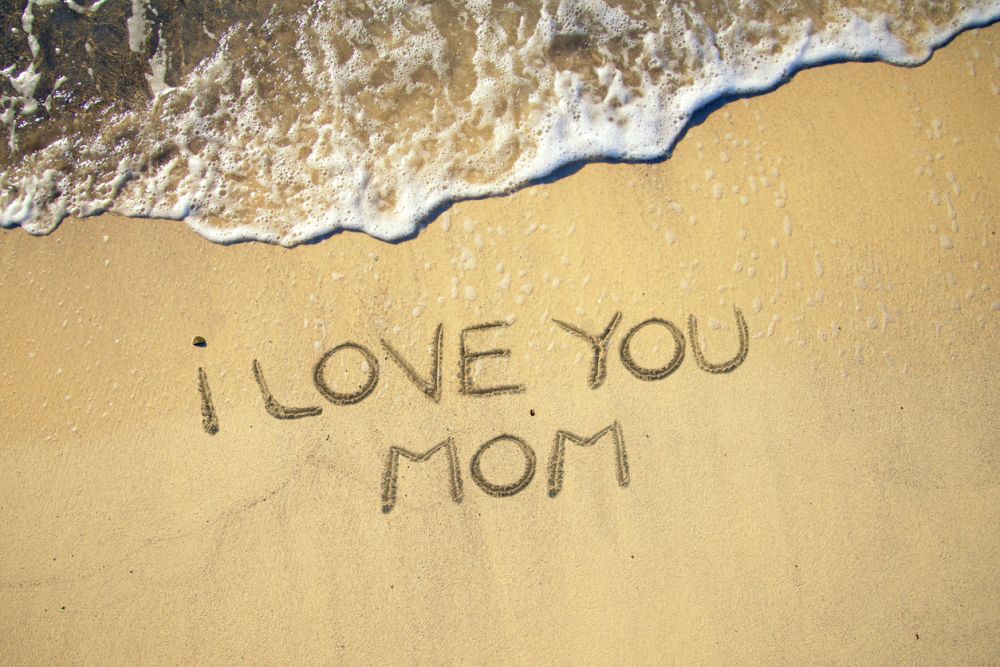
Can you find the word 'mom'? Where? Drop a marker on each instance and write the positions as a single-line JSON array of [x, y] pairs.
[[429, 384]]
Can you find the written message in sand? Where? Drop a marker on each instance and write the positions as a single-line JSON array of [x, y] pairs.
[[429, 384]]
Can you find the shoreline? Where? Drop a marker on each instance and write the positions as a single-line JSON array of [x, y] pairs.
[[712, 101]]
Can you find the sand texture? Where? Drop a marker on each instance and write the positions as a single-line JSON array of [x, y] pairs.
[[833, 497]]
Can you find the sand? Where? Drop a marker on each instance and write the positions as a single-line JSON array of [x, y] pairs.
[[835, 498]]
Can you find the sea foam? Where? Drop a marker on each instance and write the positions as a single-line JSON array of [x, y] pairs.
[[284, 122]]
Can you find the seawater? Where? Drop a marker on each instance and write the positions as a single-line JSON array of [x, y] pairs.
[[285, 121]]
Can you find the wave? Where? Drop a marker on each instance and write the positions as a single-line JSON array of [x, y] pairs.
[[286, 121]]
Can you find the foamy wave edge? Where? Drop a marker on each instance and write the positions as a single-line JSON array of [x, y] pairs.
[[653, 130]]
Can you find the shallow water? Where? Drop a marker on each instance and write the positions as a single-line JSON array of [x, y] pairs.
[[285, 121]]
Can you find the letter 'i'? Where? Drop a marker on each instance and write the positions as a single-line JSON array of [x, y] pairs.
[[209, 420]]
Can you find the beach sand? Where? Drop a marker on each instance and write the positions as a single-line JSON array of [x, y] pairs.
[[834, 499]]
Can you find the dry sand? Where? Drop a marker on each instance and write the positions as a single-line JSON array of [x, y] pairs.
[[834, 499]]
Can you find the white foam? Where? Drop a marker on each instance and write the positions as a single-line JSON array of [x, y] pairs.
[[138, 28], [288, 157]]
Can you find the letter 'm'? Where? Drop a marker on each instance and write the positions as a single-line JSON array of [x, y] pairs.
[[599, 345], [724, 366], [650, 374], [346, 399], [391, 474], [504, 490], [467, 385], [559, 454], [432, 387], [276, 409]]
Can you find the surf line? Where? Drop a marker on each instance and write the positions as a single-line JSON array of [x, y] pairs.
[[468, 354]]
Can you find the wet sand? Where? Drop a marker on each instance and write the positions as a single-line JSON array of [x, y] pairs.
[[834, 497]]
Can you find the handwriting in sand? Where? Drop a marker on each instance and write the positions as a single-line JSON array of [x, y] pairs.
[[429, 384]]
